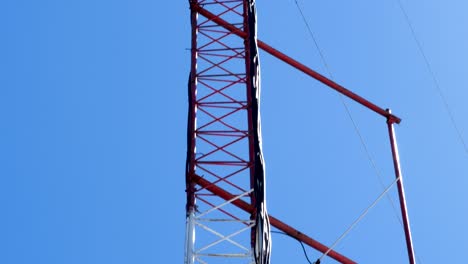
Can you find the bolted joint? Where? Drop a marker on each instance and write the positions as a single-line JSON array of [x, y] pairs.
[[392, 119]]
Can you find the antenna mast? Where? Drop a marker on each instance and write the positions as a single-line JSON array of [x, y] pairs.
[[226, 212]]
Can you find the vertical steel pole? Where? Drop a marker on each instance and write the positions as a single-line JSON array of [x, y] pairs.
[[401, 190], [189, 239], [190, 167]]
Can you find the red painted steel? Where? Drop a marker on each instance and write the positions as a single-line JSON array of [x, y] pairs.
[[190, 188], [301, 67], [220, 128], [401, 190], [219, 135], [274, 221], [213, 70]]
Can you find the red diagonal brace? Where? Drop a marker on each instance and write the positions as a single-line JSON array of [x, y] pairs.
[[298, 65], [273, 221]]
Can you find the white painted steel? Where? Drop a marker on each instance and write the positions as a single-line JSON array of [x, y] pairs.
[[206, 250], [227, 202], [190, 239]]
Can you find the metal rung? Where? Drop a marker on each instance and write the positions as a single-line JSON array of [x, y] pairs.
[[248, 221], [221, 75], [232, 255], [221, 2], [223, 102], [216, 25], [208, 50]]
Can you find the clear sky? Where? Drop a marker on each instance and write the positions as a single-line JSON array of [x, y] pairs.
[[93, 116]]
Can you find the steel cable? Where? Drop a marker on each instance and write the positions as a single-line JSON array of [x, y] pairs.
[[358, 219], [434, 78], [348, 112], [356, 128]]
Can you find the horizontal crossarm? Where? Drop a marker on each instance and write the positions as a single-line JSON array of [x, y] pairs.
[[296, 64]]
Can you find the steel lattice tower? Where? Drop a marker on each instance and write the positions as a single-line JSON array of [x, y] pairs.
[[225, 180], [224, 127]]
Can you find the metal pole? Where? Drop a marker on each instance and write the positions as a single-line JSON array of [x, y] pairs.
[[401, 190], [190, 239], [190, 164]]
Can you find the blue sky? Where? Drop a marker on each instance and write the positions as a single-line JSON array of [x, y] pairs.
[[93, 114]]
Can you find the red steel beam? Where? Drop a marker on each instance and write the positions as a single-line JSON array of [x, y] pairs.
[[401, 191], [296, 64], [273, 221]]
